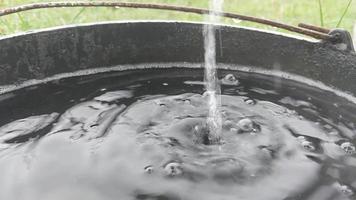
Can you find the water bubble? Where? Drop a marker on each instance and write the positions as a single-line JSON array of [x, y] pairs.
[[245, 125], [149, 169], [173, 169], [230, 79], [308, 145], [348, 147], [344, 189]]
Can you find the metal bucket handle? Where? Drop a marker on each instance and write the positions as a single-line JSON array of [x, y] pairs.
[[304, 29]]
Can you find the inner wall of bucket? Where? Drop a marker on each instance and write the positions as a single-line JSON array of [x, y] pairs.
[[41, 54]]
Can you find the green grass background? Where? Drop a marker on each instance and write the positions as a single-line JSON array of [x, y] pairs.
[[287, 11]]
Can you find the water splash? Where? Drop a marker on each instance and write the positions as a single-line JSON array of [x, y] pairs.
[[214, 120]]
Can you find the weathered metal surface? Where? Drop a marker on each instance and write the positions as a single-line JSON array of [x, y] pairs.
[[344, 42], [40, 54]]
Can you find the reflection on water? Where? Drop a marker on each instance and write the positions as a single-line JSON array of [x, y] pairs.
[[109, 138]]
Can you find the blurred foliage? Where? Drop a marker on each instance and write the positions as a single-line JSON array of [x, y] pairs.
[[287, 11]]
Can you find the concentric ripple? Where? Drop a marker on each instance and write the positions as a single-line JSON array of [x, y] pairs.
[[149, 139]]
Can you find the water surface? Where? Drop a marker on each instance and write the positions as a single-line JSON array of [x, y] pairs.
[[142, 134]]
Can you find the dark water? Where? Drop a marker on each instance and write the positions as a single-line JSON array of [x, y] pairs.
[[142, 135]]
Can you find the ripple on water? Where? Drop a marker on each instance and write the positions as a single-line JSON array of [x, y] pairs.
[[139, 143]]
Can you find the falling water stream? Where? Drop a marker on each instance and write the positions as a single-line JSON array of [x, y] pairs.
[[212, 84]]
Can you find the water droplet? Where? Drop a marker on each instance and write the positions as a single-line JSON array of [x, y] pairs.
[[348, 147], [173, 169], [245, 125], [230, 79], [149, 169], [307, 145]]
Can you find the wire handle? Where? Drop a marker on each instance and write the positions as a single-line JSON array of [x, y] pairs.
[[301, 30]]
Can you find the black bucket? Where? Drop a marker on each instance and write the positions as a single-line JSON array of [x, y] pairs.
[[41, 54]]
